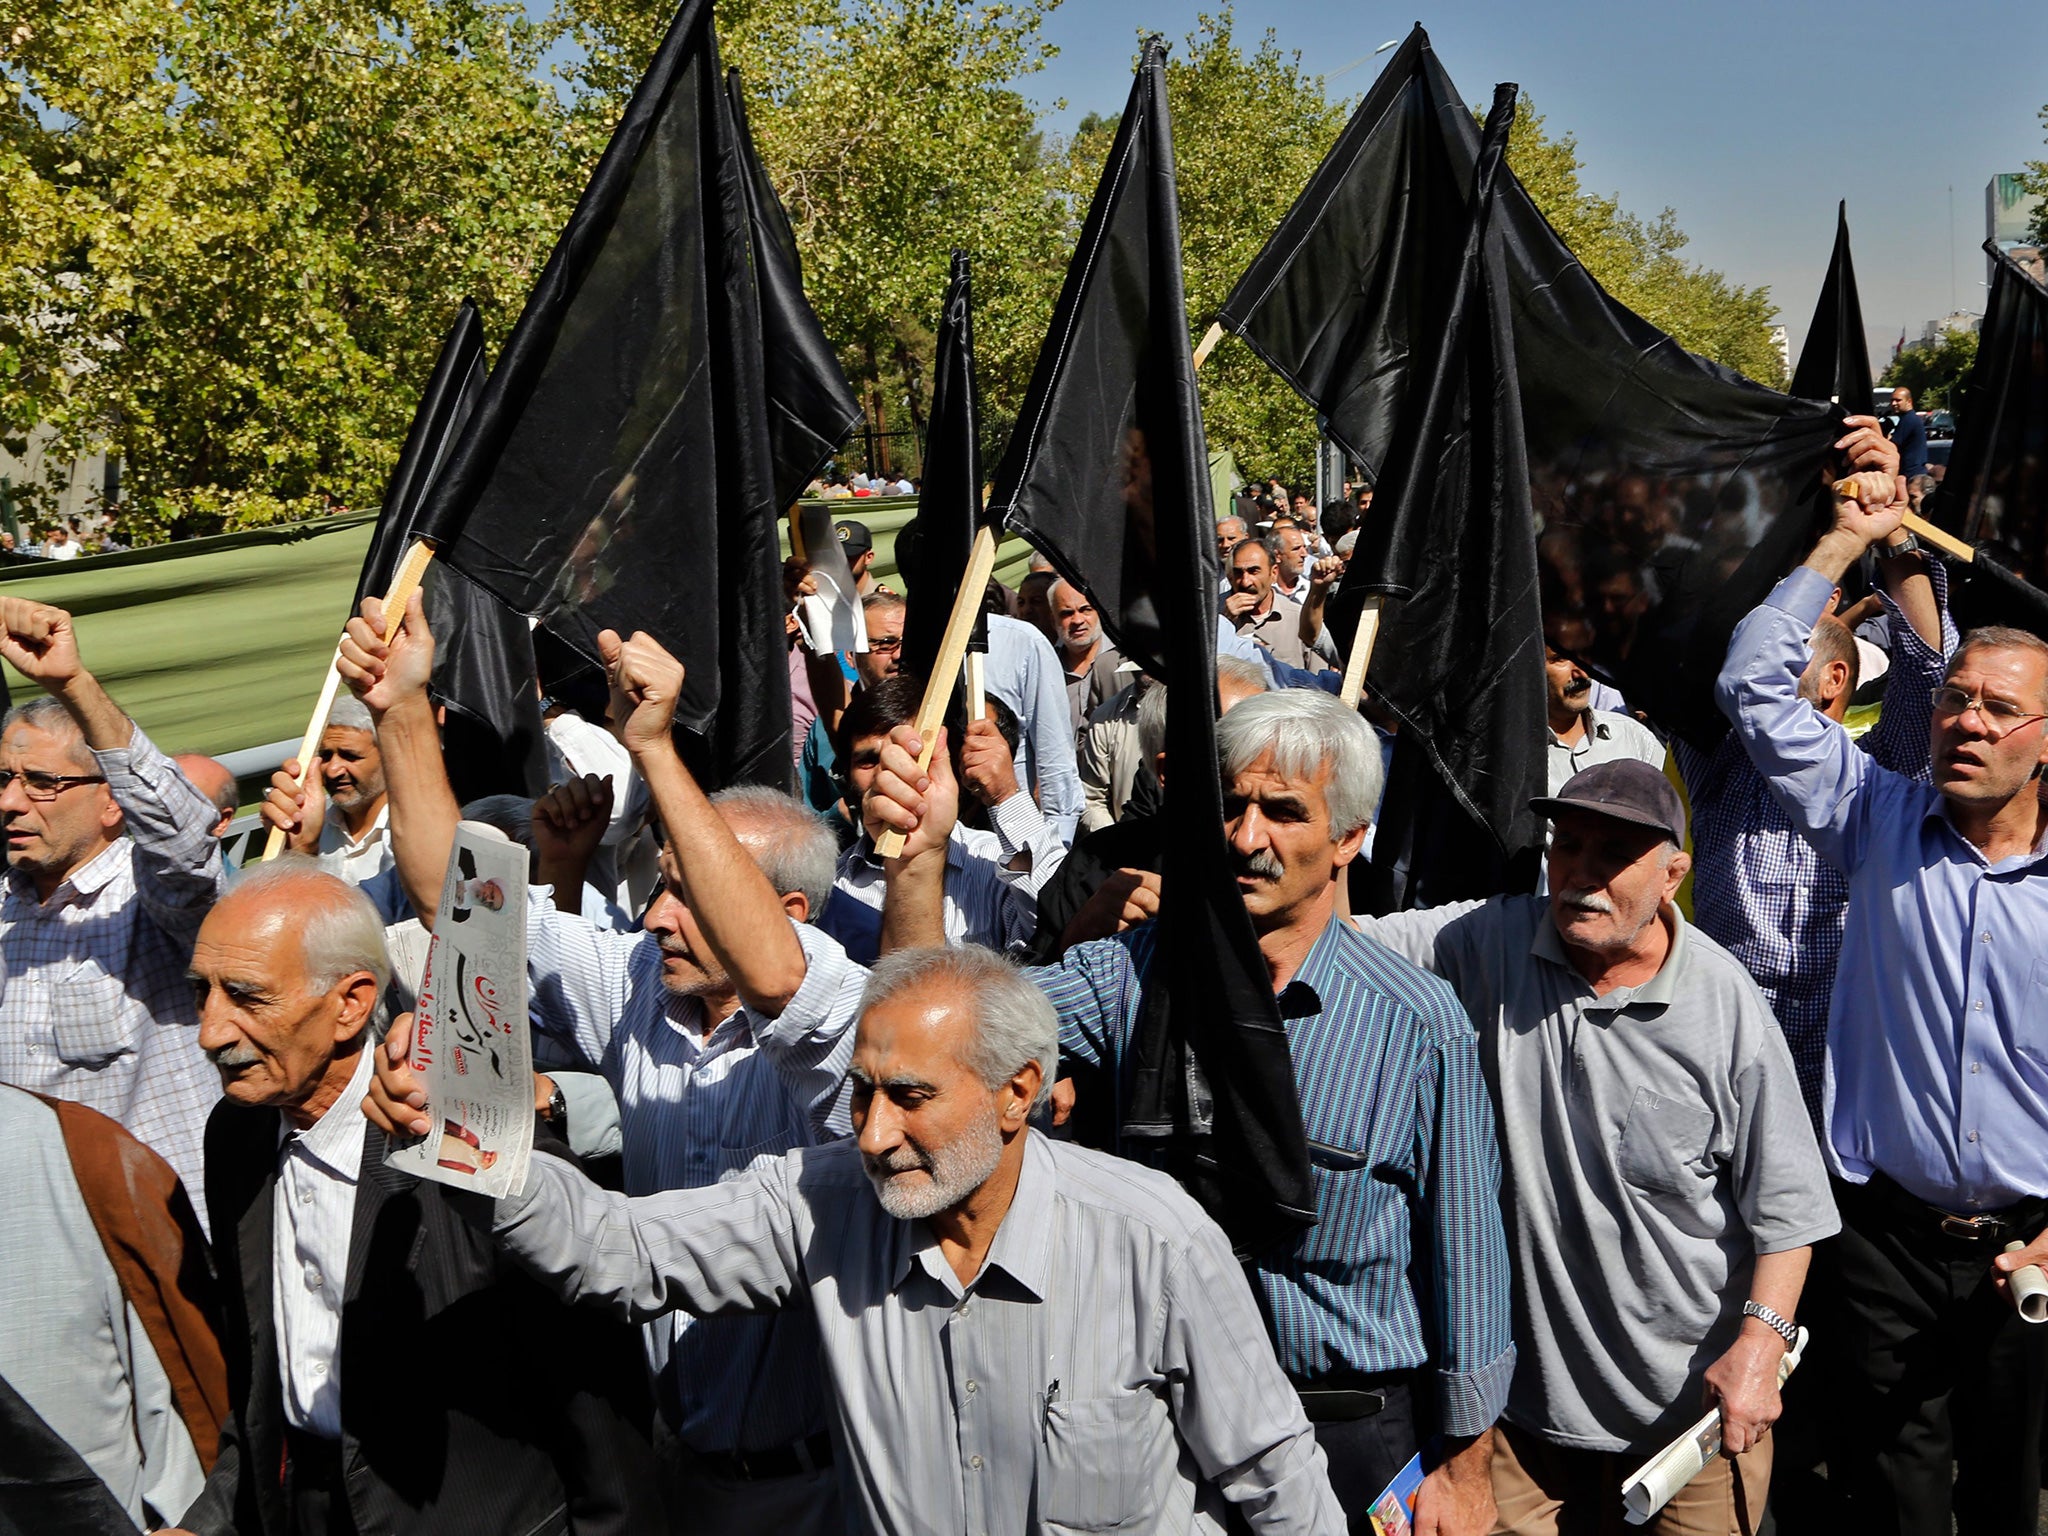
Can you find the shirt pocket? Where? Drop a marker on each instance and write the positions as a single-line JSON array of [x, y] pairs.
[[90, 1039], [1103, 1461], [734, 1161], [2030, 1019], [1663, 1146]]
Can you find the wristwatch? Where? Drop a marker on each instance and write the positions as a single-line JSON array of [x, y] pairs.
[[557, 1115], [1772, 1321], [1908, 546]]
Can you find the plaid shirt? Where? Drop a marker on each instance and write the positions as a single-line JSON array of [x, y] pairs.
[[95, 1007], [1760, 890]]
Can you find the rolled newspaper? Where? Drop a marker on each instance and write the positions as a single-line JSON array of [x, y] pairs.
[[1657, 1481], [2029, 1289]]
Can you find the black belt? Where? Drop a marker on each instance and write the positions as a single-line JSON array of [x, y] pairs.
[[315, 1460], [793, 1460], [2020, 1222], [1343, 1398]]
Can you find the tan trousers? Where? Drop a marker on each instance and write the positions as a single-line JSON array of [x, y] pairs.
[[1548, 1490]]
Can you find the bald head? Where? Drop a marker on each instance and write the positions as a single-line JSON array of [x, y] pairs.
[[289, 971], [212, 779]]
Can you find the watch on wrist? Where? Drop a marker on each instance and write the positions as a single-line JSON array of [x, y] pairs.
[[1906, 546], [1772, 1321], [558, 1113]]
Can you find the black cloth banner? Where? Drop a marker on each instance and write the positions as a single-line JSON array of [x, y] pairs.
[[933, 550], [618, 473], [1451, 545], [483, 651], [1669, 492], [1995, 493], [810, 405], [1834, 362], [1107, 471]]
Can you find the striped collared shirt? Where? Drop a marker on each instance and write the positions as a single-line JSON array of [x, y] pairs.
[[987, 902], [696, 1108], [96, 1007], [1408, 1246], [1759, 888], [1105, 1369]]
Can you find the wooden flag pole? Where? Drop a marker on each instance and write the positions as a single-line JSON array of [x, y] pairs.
[[1208, 343], [1919, 527], [938, 688], [977, 695], [1361, 651], [412, 571]]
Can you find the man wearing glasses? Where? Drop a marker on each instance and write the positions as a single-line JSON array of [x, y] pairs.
[[111, 867], [1936, 1092]]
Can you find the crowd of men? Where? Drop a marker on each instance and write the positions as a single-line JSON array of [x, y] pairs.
[[831, 1225]]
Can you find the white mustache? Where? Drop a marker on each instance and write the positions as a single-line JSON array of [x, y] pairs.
[[1260, 864], [903, 1160], [1586, 901], [233, 1057]]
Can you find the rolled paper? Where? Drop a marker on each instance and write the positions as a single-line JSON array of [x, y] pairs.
[[1657, 1481], [2029, 1289]]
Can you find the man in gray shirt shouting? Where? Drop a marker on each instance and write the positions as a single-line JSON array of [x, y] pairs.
[[1017, 1334], [1662, 1184]]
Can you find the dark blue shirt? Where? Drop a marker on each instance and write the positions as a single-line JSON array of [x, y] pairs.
[[1910, 438]]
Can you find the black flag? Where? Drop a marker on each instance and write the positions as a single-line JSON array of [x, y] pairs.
[[1834, 363], [1995, 493], [810, 405], [483, 652], [1107, 471], [618, 473], [1670, 492], [940, 538]]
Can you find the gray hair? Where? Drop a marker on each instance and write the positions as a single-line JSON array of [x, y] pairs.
[[1988, 637], [350, 713], [791, 843], [1263, 541], [1014, 1022], [48, 714], [510, 814], [1308, 731], [1248, 676], [342, 932]]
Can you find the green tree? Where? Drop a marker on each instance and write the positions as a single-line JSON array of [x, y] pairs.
[[1934, 372], [2036, 179], [234, 233]]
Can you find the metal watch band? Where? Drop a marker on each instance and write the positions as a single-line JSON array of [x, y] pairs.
[[1772, 1321], [1911, 546]]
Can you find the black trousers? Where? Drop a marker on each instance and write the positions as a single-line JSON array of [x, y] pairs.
[[313, 1489], [1364, 1454], [1932, 1387]]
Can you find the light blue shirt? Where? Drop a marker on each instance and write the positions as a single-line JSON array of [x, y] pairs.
[[1024, 671], [1937, 1061]]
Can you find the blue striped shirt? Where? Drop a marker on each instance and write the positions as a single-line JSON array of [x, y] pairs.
[[1407, 1265], [698, 1106]]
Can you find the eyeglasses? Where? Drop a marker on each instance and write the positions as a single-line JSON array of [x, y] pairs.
[[885, 644], [1998, 715], [38, 785]]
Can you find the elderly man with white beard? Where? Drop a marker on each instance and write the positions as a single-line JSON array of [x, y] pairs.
[[1662, 1183], [1017, 1334]]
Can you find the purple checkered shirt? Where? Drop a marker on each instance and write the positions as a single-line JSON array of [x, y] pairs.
[[1759, 889]]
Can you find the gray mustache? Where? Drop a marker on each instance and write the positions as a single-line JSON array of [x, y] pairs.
[[1586, 901], [1260, 864], [233, 1057]]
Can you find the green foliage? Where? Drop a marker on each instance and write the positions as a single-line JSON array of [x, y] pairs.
[[234, 233], [2036, 180], [1639, 263], [1934, 372]]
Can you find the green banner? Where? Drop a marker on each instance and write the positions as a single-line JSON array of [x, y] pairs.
[[218, 644]]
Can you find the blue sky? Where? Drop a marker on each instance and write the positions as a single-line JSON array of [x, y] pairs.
[[1749, 119]]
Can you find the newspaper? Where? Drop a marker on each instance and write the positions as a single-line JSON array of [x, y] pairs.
[[470, 1047], [830, 620], [1657, 1481]]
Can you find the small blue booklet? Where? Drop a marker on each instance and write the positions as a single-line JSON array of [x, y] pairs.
[[1393, 1512]]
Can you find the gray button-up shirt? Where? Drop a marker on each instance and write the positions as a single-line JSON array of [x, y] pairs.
[[1654, 1143], [1106, 1368]]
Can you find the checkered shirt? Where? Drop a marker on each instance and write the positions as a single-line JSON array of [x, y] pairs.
[[95, 1006]]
